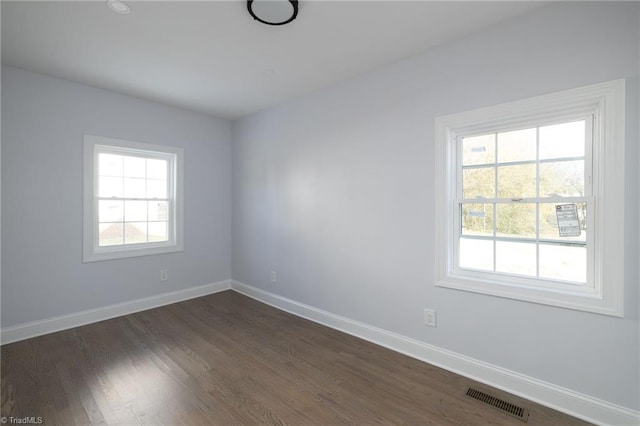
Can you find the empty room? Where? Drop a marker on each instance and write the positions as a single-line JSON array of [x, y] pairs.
[[320, 212]]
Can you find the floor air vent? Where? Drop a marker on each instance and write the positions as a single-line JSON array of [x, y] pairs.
[[498, 403]]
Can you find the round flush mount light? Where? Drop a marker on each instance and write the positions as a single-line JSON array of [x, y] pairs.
[[118, 7], [273, 12]]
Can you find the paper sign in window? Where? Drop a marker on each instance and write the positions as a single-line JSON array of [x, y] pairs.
[[568, 220]]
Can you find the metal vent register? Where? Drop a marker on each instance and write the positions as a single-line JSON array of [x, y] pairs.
[[504, 406]]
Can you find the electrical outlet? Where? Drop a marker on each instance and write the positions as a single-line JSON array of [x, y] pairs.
[[274, 276], [430, 318], [164, 274]]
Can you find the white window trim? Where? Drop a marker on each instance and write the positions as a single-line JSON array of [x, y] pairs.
[[91, 251], [606, 295]]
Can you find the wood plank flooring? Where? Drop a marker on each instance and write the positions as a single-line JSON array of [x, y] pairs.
[[226, 359]]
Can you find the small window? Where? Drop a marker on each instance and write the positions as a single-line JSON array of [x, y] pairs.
[[132, 199], [531, 199]]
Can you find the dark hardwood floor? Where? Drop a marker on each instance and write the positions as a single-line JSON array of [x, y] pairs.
[[226, 359]]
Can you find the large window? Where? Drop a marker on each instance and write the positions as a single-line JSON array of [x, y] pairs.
[[132, 199], [523, 200], [530, 199]]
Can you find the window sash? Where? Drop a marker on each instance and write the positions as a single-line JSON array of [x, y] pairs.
[[170, 199], [112, 247], [588, 116], [537, 241]]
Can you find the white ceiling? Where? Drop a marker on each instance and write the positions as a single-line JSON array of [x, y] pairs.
[[213, 58]]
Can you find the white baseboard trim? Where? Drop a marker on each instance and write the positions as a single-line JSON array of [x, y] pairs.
[[562, 399], [64, 322]]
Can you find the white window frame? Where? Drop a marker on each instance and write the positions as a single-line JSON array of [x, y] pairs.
[[605, 278], [92, 252]]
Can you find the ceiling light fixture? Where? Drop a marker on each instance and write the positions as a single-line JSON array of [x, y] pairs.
[[273, 12], [118, 7]]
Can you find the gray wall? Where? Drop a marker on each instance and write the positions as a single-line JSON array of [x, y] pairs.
[[335, 192], [43, 121]]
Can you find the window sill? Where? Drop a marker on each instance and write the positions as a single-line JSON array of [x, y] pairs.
[[581, 299], [124, 253]]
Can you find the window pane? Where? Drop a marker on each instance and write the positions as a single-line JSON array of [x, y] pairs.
[[476, 254], [516, 258], [157, 169], [135, 211], [563, 263], [517, 181], [158, 210], [479, 150], [156, 188], [158, 231], [478, 183], [549, 223], [135, 232], [565, 178], [477, 219], [516, 220], [135, 167], [135, 188], [518, 145], [109, 187], [562, 140], [110, 211], [110, 234], [109, 165]]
